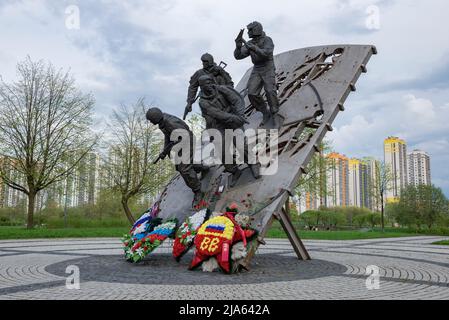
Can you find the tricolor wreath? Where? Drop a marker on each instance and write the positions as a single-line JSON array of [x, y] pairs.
[[216, 237], [147, 233], [135, 251]]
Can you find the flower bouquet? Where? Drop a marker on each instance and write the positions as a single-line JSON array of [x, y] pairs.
[[137, 249], [216, 237], [187, 232]]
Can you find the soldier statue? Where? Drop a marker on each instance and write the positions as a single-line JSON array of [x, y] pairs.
[[224, 107], [167, 124], [218, 73], [260, 48]]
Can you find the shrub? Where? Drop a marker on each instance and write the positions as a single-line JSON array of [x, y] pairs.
[[322, 218]]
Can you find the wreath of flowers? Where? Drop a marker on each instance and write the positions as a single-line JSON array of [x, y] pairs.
[[221, 242], [225, 247], [145, 223], [137, 249], [221, 222], [186, 233]]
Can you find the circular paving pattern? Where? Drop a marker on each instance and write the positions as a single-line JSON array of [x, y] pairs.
[[409, 268], [162, 269]]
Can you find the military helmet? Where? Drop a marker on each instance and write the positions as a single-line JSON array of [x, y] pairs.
[[255, 29], [205, 79], [207, 57], [154, 115]]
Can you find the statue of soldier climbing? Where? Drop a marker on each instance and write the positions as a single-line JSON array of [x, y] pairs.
[[210, 68], [224, 106], [263, 75], [167, 124]]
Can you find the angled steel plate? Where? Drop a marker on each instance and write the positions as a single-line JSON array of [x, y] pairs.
[[313, 84]]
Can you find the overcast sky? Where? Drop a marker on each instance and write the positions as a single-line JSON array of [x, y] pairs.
[[123, 50]]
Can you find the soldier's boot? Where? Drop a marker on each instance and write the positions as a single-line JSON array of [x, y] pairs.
[[273, 102], [235, 177], [189, 175], [266, 118], [255, 170]]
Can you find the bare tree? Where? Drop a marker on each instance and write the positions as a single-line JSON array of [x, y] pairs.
[[133, 144], [380, 186], [44, 121]]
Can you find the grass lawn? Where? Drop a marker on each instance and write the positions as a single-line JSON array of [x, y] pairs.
[[23, 233], [117, 232], [443, 243], [341, 235]]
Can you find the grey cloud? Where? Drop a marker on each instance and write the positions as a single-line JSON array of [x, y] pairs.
[[436, 78]]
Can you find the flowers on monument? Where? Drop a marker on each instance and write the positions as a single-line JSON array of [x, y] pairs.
[[142, 224], [243, 220], [238, 251], [201, 205], [165, 229], [146, 234], [215, 239], [136, 250], [186, 233], [210, 265], [141, 228], [233, 207]]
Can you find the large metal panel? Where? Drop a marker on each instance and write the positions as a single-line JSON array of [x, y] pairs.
[[313, 84]]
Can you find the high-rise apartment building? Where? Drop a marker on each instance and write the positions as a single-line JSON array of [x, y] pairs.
[[355, 183], [395, 155], [312, 201], [419, 168], [373, 199], [337, 180]]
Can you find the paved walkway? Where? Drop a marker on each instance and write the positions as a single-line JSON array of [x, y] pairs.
[[410, 268]]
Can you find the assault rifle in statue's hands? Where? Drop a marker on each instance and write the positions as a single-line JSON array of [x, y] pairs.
[[187, 110], [166, 151], [249, 45], [239, 38]]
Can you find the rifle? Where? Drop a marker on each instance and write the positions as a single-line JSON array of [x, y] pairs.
[[240, 36], [245, 43], [166, 150], [223, 64], [186, 112], [240, 39]]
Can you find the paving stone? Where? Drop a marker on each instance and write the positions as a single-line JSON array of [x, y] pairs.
[[409, 268]]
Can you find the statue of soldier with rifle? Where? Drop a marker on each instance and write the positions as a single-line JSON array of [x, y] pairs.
[[167, 124], [260, 48], [210, 68]]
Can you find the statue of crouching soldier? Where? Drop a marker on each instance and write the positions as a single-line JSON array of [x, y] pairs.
[[225, 108], [168, 124]]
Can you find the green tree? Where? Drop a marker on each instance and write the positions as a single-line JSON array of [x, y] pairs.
[[314, 181], [433, 204], [421, 205]]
